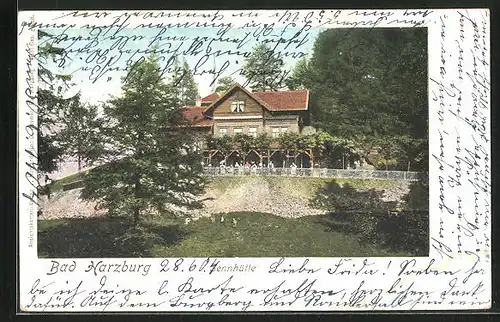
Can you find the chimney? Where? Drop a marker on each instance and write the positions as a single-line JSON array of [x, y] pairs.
[[198, 100]]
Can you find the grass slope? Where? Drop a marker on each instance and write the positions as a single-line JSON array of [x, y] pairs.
[[254, 235]]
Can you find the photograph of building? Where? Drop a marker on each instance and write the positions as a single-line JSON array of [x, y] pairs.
[[321, 151]]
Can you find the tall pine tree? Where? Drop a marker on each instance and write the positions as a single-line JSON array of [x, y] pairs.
[[148, 162], [185, 84], [51, 87]]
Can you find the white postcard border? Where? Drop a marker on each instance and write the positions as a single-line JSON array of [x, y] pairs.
[[456, 275]]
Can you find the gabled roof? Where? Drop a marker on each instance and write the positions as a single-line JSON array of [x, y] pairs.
[[285, 100], [272, 101], [195, 116], [210, 98]]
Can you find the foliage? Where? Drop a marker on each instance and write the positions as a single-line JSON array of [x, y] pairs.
[[330, 151], [369, 85], [186, 85], [262, 141], [147, 162], [299, 76], [288, 141], [81, 126], [222, 143], [224, 83], [400, 152], [263, 70], [50, 92], [245, 142]]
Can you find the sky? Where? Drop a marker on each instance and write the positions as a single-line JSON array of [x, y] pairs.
[[96, 59]]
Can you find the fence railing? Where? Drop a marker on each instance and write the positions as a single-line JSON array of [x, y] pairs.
[[319, 173], [298, 172]]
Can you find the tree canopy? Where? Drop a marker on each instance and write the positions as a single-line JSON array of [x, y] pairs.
[[369, 85], [147, 162], [51, 103], [80, 130], [263, 70], [224, 83], [187, 87]]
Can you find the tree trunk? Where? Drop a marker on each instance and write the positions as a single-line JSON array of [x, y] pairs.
[[79, 162], [343, 161], [408, 166]]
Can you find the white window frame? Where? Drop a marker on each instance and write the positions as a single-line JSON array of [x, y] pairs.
[[252, 131], [237, 128], [223, 131], [238, 106], [283, 129], [275, 132]]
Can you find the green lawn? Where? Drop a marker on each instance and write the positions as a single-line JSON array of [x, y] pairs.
[[254, 235]]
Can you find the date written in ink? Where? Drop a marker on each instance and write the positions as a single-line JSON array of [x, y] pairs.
[[207, 265]]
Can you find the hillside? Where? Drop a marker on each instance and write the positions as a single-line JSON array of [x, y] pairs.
[[282, 196]]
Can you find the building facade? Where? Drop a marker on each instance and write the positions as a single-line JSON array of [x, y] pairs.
[[252, 113]]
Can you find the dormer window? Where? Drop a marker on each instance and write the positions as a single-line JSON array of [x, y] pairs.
[[237, 106]]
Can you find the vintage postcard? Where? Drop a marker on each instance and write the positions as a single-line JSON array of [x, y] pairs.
[[269, 160]]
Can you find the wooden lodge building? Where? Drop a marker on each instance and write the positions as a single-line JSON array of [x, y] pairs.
[[252, 113]]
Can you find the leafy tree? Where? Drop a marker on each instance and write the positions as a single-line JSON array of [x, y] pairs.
[[262, 141], [369, 84], [245, 142], [224, 83], [288, 141], [148, 161], [222, 143], [81, 127], [263, 71]]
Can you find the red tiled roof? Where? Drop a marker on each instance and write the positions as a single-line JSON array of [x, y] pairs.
[[275, 101], [210, 98], [285, 100], [195, 115]]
